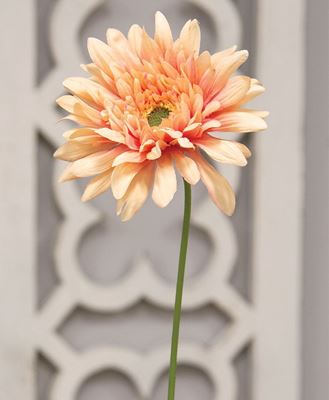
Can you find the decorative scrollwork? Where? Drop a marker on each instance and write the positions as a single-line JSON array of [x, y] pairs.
[[142, 282]]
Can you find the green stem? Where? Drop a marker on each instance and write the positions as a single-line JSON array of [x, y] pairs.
[[179, 291]]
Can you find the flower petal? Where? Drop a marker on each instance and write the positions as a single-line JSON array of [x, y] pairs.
[[120, 49], [124, 89], [135, 37], [165, 184], [245, 151], [220, 55], [96, 163], [218, 187], [131, 77], [187, 168], [211, 108], [163, 35], [78, 132], [123, 176], [147, 145], [89, 91], [81, 112], [210, 125], [72, 151], [192, 127], [258, 113], [100, 54], [112, 135], [183, 142], [227, 65], [234, 91], [241, 121], [156, 151], [255, 89], [97, 185], [190, 37], [137, 193], [224, 151], [67, 175], [224, 69], [100, 77], [172, 133], [129, 156]]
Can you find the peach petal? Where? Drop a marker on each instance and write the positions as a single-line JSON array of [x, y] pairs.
[[170, 70], [77, 132], [258, 113], [96, 163], [72, 151], [211, 124], [183, 142], [225, 68], [229, 58], [135, 38], [137, 193], [190, 37], [155, 152], [240, 121], [255, 90], [97, 185], [234, 91], [112, 135], [224, 151], [197, 103], [79, 109], [210, 108], [172, 133], [219, 189], [123, 176], [100, 54], [129, 156], [121, 51], [202, 64], [150, 50], [67, 175], [101, 77], [165, 184], [187, 168], [192, 127], [115, 38], [163, 35], [132, 76], [92, 141], [80, 120], [87, 90], [219, 56], [245, 151], [124, 89], [147, 145]]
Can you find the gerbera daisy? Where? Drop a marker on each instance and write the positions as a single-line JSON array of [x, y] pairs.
[[150, 109]]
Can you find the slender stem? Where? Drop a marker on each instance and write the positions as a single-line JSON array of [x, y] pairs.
[[179, 291]]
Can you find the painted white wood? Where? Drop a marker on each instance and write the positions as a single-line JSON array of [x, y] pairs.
[[278, 202], [17, 200], [271, 323]]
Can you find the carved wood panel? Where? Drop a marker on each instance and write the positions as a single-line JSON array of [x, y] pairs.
[[253, 317]]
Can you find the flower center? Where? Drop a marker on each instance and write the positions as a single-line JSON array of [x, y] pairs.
[[157, 114]]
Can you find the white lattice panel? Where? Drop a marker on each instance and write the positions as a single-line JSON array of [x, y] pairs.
[[270, 322]]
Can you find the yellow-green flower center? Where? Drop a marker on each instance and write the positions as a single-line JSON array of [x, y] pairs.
[[156, 115]]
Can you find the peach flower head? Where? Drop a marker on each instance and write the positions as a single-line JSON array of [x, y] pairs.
[[150, 109]]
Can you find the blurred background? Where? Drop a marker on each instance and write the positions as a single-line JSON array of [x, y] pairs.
[[86, 301]]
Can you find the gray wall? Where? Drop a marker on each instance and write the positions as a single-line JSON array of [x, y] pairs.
[[316, 255]]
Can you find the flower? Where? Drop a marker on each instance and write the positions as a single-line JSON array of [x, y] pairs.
[[150, 107]]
